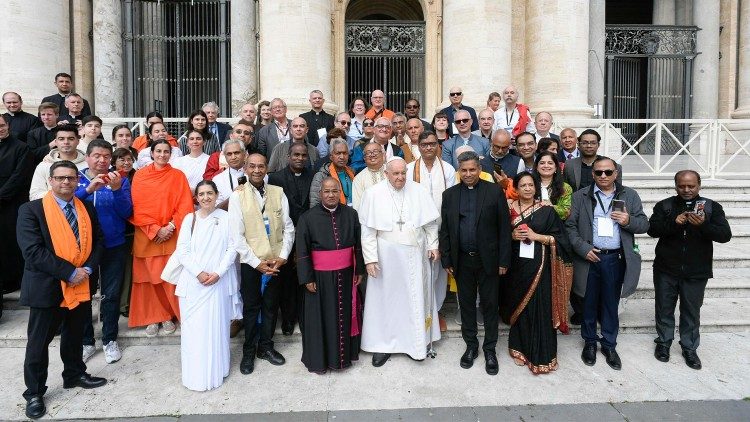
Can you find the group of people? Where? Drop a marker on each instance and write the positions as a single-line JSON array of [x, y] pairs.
[[354, 226]]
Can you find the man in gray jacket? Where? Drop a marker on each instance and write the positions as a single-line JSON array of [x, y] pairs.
[[607, 264]]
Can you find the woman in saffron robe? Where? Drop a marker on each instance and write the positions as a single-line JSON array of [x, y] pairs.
[[161, 200], [540, 281]]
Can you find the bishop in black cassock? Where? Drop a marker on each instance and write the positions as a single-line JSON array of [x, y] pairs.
[[330, 265]]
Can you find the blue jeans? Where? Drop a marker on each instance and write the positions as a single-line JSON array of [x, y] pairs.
[[603, 289], [109, 274]]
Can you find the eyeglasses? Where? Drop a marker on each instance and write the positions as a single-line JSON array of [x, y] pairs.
[[65, 178], [462, 121], [456, 94], [411, 106], [428, 145], [345, 123], [373, 153], [584, 143], [243, 132], [381, 127], [599, 173], [367, 124]]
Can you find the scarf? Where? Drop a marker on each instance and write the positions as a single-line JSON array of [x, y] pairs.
[[335, 175]]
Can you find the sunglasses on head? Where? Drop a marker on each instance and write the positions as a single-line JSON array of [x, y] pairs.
[[599, 173], [462, 121]]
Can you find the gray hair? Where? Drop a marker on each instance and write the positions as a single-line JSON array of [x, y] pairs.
[[468, 156], [277, 100], [230, 142], [499, 131], [212, 105], [316, 91], [341, 114], [337, 141], [382, 148], [400, 114]]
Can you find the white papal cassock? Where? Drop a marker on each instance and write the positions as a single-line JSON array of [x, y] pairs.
[[398, 228]]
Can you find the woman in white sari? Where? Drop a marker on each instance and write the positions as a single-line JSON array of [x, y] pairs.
[[207, 289]]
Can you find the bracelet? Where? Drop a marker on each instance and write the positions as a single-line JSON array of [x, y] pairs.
[[172, 224]]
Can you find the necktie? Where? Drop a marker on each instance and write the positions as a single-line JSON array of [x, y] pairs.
[[72, 220], [570, 156], [215, 130]]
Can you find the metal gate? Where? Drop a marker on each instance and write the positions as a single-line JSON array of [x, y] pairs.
[[649, 75], [385, 55], [176, 55]]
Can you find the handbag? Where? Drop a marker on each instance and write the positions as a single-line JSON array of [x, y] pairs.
[[172, 271]]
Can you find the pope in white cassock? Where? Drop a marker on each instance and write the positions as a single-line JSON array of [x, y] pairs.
[[399, 236]]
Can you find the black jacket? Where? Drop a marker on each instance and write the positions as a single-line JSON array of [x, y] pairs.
[[686, 251], [60, 101], [324, 120], [493, 223], [286, 180], [43, 270]]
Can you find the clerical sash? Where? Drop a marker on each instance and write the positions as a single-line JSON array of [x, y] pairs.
[[66, 247], [339, 259], [264, 246]]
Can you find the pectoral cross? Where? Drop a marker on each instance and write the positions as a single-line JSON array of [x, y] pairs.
[[400, 224]]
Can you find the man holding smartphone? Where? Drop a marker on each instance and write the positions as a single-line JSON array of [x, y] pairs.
[[686, 225], [603, 221]]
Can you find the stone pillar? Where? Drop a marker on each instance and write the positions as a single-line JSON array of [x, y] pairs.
[[664, 12], [705, 104], [743, 77], [476, 48], [29, 64], [684, 13], [296, 52], [556, 34], [109, 75], [244, 85], [597, 59], [83, 50]]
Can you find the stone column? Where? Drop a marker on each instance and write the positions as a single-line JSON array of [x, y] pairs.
[[28, 65], [83, 50], [597, 59], [664, 12], [476, 48], [109, 74], [296, 52], [705, 104], [244, 85], [743, 77], [557, 44]]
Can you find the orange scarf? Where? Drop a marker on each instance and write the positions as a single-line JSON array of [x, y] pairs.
[[66, 247], [335, 175]]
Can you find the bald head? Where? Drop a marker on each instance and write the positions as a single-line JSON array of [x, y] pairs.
[[299, 129], [510, 96], [377, 99], [456, 95]]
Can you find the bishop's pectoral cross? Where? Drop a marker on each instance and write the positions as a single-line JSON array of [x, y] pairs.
[[400, 223]]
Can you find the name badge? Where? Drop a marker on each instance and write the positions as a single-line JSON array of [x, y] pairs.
[[321, 132], [605, 227], [454, 128], [526, 250]]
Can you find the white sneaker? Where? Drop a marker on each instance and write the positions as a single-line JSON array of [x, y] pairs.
[[152, 330], [112, 352], [168, 327], [88, 351]]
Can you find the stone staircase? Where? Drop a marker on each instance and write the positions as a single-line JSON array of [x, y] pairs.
[[726, 305]]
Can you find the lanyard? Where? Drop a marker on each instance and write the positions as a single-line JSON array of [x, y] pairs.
[[599, 198], [356, 126], [231, 181], [278, 128], [509, 119]]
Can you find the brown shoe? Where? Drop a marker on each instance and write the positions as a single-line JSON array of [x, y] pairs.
[[235, 327], [443, 324]]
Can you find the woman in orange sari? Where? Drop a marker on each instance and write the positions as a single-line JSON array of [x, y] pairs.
[[161, 200]]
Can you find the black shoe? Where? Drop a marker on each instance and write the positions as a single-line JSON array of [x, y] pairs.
[[272, 356], [661, 353], [588, 356], [576, 319], [613, 359], [379, 359], [490, 363], [85, 381], [691, 359], [247, 365], [35, 408], [467, 360], [287, 328]]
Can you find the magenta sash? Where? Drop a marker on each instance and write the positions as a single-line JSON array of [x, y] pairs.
[[338, 260]]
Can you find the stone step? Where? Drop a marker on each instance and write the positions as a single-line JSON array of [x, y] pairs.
[[709, 188], [727, 255], [727, 199], [727, 283], [637, 316], [740, 235]]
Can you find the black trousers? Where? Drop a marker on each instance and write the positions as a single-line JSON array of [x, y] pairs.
[[291, 293], [255, 302], [470, 274], [43, 325], [576, 302], [667, 289]]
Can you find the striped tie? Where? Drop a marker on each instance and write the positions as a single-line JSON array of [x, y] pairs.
[[73, 221]]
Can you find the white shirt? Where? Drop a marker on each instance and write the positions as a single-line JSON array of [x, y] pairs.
[[226, 182], [193, 167], [508, 120], [436, 181]]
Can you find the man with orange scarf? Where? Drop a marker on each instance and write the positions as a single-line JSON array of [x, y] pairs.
[[338, 170], [61, 241], [161, 200]]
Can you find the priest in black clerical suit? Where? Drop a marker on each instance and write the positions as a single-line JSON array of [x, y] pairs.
[[59, 99], [330, 266], [20, 121]]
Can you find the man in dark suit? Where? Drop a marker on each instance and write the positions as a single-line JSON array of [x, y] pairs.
[[577, 171], [296, 179], [456, 97], [46, 229], [569, 144], [543, 124], [317, 118], [218, 129], [275, 132], [476, 257], [75, 114], [64, 84], [21, 122]]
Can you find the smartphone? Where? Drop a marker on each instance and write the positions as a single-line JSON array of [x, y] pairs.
[[524, 226], [106, 179], [699, 207], [618, 205], [242, 180]]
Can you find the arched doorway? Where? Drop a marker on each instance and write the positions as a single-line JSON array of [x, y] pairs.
[[385, 49]]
